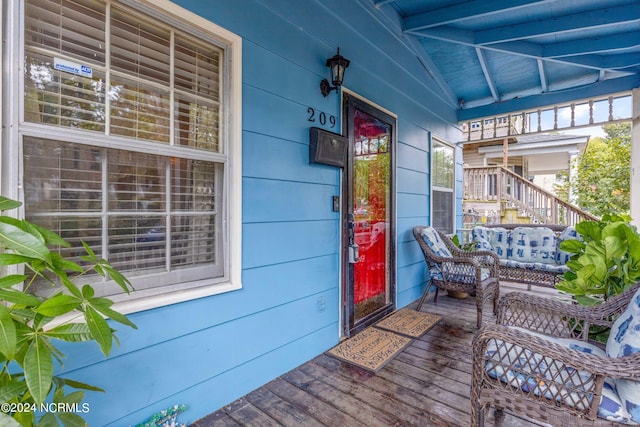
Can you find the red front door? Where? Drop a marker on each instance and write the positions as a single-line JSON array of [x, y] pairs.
[[369, 232]]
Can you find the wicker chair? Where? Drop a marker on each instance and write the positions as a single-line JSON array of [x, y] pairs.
[[518, 366], [452, 269]]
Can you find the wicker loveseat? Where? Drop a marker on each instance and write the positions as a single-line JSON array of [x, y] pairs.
[[528, 253], [535, 363]]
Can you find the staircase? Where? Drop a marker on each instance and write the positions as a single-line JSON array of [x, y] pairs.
[[514, 199]]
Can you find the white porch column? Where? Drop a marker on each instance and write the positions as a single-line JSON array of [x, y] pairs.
[[635, 158], [573, 173]]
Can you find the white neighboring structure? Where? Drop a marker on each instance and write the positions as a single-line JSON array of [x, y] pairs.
[[538, 156]]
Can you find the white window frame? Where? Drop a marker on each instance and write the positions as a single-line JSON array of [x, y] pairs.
[[12, 135], [434, 187]]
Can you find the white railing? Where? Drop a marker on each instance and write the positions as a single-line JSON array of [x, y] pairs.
[[586, 113], [508, 189]]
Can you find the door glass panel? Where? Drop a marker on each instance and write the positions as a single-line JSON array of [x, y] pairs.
[[372, 213]]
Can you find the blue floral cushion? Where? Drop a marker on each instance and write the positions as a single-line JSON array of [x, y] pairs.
[[480, 236], [517, 264], [537, 374], [495, 239], [533, 244], [568, 233], [552, 268], [611, 408], [466, 274], [435, 243], [433, 240], [624, 340]]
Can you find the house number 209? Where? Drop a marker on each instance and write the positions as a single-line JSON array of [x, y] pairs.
[[321, 117]]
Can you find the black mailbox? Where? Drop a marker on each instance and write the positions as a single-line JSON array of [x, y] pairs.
[[327, 147]]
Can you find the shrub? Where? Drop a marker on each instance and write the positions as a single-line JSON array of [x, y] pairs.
[[605, 263], [30, 324]]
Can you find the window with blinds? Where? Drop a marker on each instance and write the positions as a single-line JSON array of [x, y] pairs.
[[146, 188], [442, 187]]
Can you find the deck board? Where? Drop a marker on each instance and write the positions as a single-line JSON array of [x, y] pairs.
[[427, 384]]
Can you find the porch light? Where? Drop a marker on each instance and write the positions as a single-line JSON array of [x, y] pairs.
[[337, 64]]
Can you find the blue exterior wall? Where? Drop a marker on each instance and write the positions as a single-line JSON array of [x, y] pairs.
[[208, 352]]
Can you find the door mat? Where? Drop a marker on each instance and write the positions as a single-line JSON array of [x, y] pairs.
[[370, 349], [409, 322]]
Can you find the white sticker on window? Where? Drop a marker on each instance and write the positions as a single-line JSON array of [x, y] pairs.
[[72, 67]]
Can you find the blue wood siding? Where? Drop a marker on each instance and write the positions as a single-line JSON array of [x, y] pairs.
[[207, 352]]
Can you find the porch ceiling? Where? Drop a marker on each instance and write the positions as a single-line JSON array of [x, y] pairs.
[[496, 56]]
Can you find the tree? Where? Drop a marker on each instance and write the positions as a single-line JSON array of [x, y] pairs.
[[602, 185]]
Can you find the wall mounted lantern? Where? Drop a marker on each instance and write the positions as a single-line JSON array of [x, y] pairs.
[[337, 64]]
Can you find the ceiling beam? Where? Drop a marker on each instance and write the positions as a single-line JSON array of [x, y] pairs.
[[592, 45], [609, 62], [528, 49], [380, 3], [460, 12], [560, 24], [592, 90], [544, 83], [487, 74]]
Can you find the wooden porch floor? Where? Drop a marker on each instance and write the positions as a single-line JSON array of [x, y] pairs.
[[425, 385]]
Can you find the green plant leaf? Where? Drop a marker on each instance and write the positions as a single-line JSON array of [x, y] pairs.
[[61, 263], [69, 419], [12, 280], [14, 388], [572, 246], [91, 256], [38, 369], [117, 277], [103, 306], [39, 321], [23, 243], [7, 204], [587, 301], [29, 228], [73, 397], [589, 230], [13, 259], [58, 305], [100, 330], [7, 421], [614, 247], [8, 336], [19, 297], [48, 420], [73, 289], [88, 292], [71, 332], [80, 385], [51, 238]]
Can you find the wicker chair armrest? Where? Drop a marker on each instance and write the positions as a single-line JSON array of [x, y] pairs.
[[482, 255], [491, 370], [551, 316], [626, 367], [487, 259]]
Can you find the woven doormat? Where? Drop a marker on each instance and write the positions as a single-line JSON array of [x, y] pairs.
[[370, 349], [409, 322]]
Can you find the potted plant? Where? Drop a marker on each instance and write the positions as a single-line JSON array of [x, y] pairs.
[[605, 263], [30, 324]]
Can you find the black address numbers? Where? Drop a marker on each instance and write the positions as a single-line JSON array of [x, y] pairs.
[[321, 117]]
